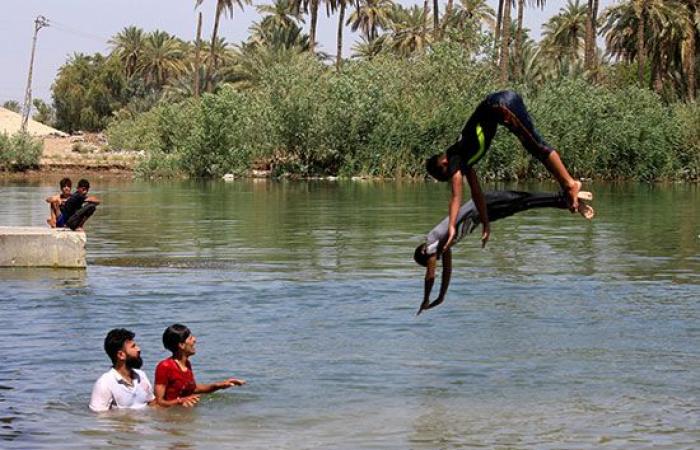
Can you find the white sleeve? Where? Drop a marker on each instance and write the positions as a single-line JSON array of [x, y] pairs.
[[101, 399], [148, 387]]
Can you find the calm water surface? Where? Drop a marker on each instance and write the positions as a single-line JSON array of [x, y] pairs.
[[560, 334]]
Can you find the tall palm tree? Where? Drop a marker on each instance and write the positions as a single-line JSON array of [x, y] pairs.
[[280, 14], [692, 33], [505, 44], [369, 17], [128, 45], [408, 33], [476, 11], [163, 59], [341, 6], [436, 21], [654, 29], [591, 33], [519, 34], [222, 7], [563, 34]]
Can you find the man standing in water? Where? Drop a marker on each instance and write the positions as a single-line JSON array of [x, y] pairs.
[[499, 204], [124, 385], [505, 108]]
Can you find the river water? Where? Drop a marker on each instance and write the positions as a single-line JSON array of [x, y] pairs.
[[560, 334]]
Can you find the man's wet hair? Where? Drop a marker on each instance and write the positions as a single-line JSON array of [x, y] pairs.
[[115, 341], [175, 335], [420, 256], [84, 184], [434, 169], [65, 182]]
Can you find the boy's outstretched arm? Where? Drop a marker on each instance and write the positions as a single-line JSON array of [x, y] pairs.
[[428, 283], [455, 203], [480, 202]]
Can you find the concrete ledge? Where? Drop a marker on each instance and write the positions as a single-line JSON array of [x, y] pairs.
[[42, 247]]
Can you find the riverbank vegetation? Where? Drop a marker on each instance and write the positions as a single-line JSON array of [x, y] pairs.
[[275, 101], [19, 152]]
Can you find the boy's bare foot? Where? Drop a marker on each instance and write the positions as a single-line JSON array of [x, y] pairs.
[[51, 223], [573, 191], [585, 195], [585, 210]]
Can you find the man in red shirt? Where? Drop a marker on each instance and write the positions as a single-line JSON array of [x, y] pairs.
[[174, 380]]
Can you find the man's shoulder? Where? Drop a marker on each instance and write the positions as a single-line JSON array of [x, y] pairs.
[[141, 374]]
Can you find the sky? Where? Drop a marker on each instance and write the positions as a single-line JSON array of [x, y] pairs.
[[86, 25]]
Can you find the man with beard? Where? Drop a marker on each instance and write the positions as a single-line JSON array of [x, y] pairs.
[[124, 385]]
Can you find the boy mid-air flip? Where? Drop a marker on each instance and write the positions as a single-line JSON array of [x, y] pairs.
[[505, 108], [499, 204]]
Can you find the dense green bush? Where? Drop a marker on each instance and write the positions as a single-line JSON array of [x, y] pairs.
[[384, 116], [19, 152]]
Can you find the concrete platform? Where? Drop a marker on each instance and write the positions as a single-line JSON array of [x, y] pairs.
[[42, 247]]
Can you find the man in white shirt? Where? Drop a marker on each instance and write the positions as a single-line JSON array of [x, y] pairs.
[[124, 385]]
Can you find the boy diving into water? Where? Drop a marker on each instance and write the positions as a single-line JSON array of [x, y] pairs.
[[498, 204], [504, 108]]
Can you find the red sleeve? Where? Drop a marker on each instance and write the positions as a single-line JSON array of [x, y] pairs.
[[163, 371]]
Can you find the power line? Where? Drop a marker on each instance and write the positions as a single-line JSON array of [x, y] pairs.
[[66, 29]]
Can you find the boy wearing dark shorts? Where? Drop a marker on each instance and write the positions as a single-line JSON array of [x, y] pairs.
[[78, 208], [56, 202], [504, 108]]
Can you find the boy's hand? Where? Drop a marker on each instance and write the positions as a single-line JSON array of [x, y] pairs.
[[485, 234]]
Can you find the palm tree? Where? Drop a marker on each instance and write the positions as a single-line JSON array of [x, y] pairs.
[[280, 14], [369, 17], [474, 11], [692, 32], [436, 23], [366, 49], [591, 33], [270, 46], [222, 6], [162, 59], [519, 34], [563, 35], [128, 45], [505, 44], [656, 29], [341, 5], [408, 33]]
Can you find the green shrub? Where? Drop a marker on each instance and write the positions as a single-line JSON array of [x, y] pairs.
[[19, 152], [384, 116]]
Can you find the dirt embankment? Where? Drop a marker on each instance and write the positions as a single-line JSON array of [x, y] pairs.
[[85, 152], [63, 153]]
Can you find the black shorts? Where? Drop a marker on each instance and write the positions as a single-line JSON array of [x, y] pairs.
[[500, 108]]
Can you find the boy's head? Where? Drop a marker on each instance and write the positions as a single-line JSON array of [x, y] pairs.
[[420, 256], [66, 185], [83, 186], [175, 337], [437, 166]]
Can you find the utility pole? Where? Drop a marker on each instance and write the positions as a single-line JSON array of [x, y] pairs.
[[39, 23]]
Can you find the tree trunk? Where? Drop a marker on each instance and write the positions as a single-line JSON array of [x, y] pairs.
[[436, 25], [426, 11], [589, 36], [312, 27], [499, 21], [210, 64], [640, 46], [448, 13], [690, 64], [197, 62], [519, 40], [505, 42], [339, 41]]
